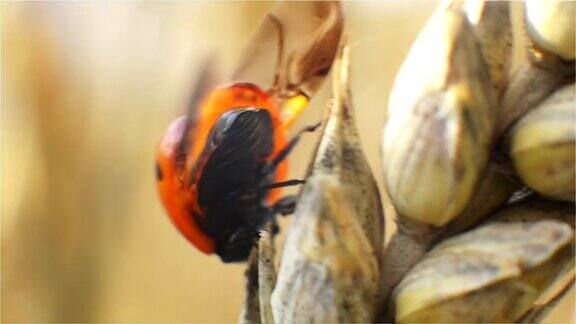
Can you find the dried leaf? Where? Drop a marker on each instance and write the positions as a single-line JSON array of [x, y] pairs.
[[299, 41]]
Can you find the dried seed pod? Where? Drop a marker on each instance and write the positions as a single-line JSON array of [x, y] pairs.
[[491, 20], [412, 239], [550, 52], [494, 190], [339, 154], [493, 273], [328, 271], [542, 146], [441, 113], [550, 24], [539, 208]]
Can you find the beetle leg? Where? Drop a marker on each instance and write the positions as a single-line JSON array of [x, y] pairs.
[[271, 167], [275, 228], [252, 193], [285, 206], [237, 246], [288, 183]]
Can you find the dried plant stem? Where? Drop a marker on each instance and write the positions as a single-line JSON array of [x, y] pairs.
[[266, 275], [407, 246], [333, 268], [260, 281], [537, 314], [531, 84], [251, 309]]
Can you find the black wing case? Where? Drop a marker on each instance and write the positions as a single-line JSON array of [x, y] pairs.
[[237, 148]]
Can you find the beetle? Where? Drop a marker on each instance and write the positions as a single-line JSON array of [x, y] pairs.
[[219, 169]]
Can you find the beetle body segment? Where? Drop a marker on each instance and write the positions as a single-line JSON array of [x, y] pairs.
[[221, 100], [209, 169], [170, 161]]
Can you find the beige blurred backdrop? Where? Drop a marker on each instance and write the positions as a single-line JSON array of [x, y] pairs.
[[87, 91]]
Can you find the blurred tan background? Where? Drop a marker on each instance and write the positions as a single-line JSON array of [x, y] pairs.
[[87, 91]]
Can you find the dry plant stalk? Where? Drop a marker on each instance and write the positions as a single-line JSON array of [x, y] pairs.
[[444, 178], [250, 312], [539, 312], [266, 275], [329, 271], [260, 281]]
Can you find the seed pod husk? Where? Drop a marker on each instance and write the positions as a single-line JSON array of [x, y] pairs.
[[495, 188], [339, 154], [550, 24], [412, 239], [550, 62], [492, 22], [542, 146], [441, 113], [328, 271], [493, 273], [538, 208]]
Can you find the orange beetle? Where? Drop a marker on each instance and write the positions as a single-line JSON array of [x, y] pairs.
[[218, 170]]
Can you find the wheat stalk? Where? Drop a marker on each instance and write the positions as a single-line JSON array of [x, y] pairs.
[[478, 254]]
